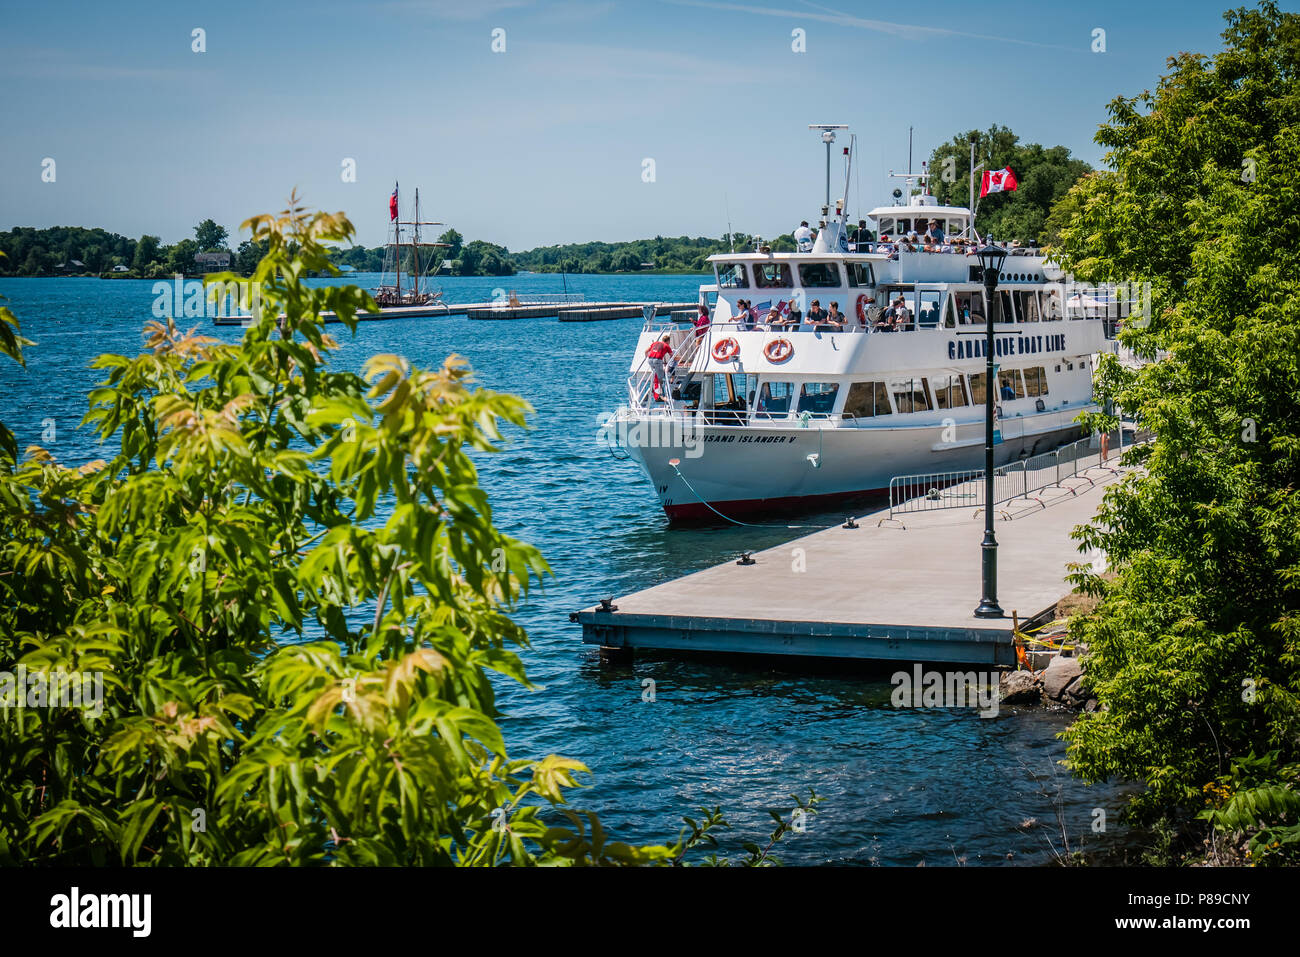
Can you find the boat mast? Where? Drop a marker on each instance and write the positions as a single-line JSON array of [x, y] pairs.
[[397, 245], [415, 246]]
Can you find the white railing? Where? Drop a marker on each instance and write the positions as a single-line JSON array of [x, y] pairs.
[[924, 492]]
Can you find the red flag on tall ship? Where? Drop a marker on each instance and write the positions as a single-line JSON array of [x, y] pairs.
[[998, 181], [392, 205]]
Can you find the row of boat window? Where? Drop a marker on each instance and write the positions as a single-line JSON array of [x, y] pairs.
[[867, 399], [778, 275]]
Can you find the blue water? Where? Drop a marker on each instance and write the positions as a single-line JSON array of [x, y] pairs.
[[901, 786]]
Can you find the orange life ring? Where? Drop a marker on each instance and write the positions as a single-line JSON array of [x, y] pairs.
[[778, 350], [863, 299], [726, 349]]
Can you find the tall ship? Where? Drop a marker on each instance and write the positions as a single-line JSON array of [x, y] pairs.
[[768, 405], [394, 293]]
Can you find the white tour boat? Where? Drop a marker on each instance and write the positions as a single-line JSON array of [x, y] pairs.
[[772, 414]]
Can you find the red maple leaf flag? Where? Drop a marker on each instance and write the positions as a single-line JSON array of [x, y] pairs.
[[998, 181], [392, 205]]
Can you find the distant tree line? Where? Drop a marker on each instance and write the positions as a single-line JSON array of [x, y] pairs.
[[458, 258], [1033, 212], [667, 254], [78, 251]]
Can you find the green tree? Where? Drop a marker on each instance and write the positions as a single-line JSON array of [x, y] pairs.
[[249, 255], [454, 241], [210, 237], [146, 253], [180, 257], [235, 511], [1194, 650], [1043, 174]]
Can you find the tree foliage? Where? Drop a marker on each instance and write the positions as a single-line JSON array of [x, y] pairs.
[[1044, 175], [1194, 650], [289, 579]]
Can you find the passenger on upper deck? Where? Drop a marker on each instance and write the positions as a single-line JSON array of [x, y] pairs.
[[935, 233], [816, 314], [861, 236], [803, 237]]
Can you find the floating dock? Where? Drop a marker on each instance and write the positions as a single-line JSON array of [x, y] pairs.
[[900, 589], [566, 311], [569, 312]]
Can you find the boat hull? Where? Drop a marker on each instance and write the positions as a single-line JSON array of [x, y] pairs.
[[712, 472]]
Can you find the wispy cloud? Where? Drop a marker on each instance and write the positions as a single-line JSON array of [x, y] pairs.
[[607, 62], [909, 31], [468, 10]]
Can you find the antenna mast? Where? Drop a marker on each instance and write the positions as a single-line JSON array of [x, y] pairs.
[[828, 137]]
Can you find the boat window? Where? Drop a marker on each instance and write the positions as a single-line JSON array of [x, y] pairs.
[[950, 391], [1052, 306], [927, 307], [886, 224], [860, 274], [818, 396], [1004, 313], [1036, 381], [969, 307], [1010, 385], [819, 275], [774, 399], [977, 396], [1026, 306], [955, 226], [772, 276], [732, 276], [867, 399], [911, 395]]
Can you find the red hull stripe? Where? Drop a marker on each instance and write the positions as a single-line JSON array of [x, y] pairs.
[[752, 506]]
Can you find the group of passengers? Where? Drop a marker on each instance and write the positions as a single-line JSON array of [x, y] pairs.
[[895, 317], [747, 318]]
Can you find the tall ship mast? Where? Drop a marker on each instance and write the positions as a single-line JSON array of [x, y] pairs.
[[393, 294], [822, 373]]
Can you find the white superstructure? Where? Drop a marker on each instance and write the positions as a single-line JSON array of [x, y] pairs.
[[770, 414]]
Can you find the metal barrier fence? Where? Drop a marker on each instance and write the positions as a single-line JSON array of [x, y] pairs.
[[930, 491]]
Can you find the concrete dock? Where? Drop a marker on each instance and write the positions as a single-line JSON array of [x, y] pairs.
[[901, 589]]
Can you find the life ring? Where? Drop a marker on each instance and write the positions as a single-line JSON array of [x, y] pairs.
[[724, 350], [778, 350], [863, 299]]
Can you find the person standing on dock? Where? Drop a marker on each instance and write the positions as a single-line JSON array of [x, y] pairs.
[[656, 355]]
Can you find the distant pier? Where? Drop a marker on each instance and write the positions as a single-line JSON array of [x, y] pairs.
[[566, 310], [891, 589]]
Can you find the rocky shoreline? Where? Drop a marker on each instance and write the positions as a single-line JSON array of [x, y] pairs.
[[1062, 684]]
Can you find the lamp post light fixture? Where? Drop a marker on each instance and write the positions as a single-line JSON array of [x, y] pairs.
[[990, 259]]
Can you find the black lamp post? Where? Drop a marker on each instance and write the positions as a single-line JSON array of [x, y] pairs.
[[990, 257]]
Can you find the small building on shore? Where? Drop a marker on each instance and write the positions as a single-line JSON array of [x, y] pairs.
[[211, 262]]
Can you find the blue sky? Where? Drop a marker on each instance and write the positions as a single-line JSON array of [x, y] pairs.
[[545, 142]]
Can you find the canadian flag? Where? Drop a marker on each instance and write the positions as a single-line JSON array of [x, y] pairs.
[[392, 205], [998, 181]]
